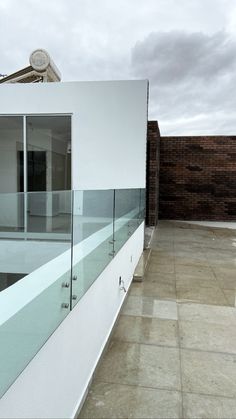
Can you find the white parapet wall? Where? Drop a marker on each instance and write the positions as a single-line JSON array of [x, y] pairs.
[[109, 126], [55, 382]]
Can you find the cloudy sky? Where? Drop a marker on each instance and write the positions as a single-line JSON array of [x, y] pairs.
[[186, 48]]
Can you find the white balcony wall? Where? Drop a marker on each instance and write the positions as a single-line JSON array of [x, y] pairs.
[[108, 126]]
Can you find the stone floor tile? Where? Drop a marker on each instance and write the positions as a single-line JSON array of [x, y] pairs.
[[162, 245], [199, 271], [225, 272], [191, 261], [187, 246], [197, 406], [161, 260], [114, 401], [201, 295], [141, 365], [227, 283], [207, 313], [160, 290], [208, 373], [222, 261], [134, 306], [166, 278], [150, 307], [157, 267], [187, 250], [185, 280], [230, 296], [208, 336], [226, 264], [147, 330]]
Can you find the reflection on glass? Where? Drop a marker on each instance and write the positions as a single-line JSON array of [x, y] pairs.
[[12, 212], [49, 212], [49, 153], [7, 279], [93, 228], [24, 333], [11, 145], [11, 173], [127, 215]]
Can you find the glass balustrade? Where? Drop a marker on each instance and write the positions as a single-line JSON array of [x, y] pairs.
[[53, 246]]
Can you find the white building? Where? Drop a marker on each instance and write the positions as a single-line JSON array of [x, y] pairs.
[[72, 165]]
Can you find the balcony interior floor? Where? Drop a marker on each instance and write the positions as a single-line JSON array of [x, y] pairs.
[[173, 350]]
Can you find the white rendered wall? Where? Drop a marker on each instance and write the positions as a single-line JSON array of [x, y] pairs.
[[109, 123], [53, 384]]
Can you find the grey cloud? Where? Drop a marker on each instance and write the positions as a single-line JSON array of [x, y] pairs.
[[191, 74], [176, 56], [192, 80]]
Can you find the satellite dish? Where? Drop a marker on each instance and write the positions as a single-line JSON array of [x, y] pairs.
[[39, 60]]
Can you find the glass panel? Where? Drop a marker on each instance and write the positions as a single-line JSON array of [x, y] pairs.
[[35, 270], [142, 204], [49, 212], [11, 212], [25, 331], [45, 235], [92, 238], [35, 279], [48, 153], [127, 214], [11, 149]]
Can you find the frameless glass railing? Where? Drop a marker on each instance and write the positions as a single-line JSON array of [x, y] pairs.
[[35, 275], [53, 246]]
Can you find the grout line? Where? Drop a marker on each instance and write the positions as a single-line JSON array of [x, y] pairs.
[[138, 386], [179, 343], [207, 351], [155, 345], [222, 290], [210, 395], [164, 389]]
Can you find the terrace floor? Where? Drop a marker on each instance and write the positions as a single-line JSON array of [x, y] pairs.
[[173, 351]]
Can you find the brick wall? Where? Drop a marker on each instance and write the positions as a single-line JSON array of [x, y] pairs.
[[198, 178], [152, 175]]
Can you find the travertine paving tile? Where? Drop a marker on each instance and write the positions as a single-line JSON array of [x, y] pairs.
[[147, 330], [207, 313], [166, 278], [113, 401], [198, 271], [223, 273], [201, 295], [230, 296], [162, 290], [185, 281], [150, 307], [208, 373], [141, 365], [208, 336], [161, 259], [191, 261], [198, 406], [157, 267]]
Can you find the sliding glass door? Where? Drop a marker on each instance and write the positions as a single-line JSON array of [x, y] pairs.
[[35, 156]]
